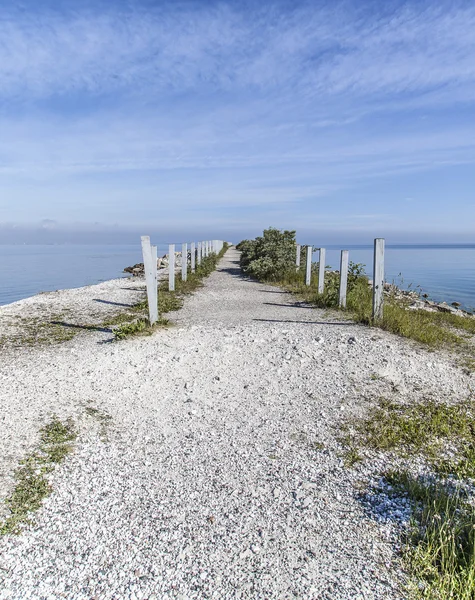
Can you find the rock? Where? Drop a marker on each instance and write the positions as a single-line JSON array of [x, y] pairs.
[[417, 305], [444, 307], [134, 269]]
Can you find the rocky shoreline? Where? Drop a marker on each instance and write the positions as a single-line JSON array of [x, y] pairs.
[[137, 270], [412, 300], [415, 301]]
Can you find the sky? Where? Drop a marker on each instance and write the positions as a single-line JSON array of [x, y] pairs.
[[211, 119]]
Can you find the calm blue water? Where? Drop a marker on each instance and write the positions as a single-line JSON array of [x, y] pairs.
[[27, 270], [445, 272]]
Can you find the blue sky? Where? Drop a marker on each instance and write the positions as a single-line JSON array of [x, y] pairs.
[[343, 120]]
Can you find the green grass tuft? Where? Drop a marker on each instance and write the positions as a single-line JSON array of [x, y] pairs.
[[138, 327], [32, 486], [440, 544]]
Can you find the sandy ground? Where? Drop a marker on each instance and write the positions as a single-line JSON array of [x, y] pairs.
[[222, 474]]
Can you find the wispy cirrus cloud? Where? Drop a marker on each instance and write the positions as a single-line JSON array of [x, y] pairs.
[[172, 47]]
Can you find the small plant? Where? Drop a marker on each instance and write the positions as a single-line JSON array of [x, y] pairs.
[[351, 456], [440, 543], [425, 427], [140, 326], [32, 485]]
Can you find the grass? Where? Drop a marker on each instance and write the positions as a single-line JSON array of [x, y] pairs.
[[439, 547], [138, 327], [35, 330], [32, 485], [440, 543], [426, 428]]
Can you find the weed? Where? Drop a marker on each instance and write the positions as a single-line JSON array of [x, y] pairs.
[[440, 543], [32, 486], [36, 330], [351, 456], [138, 327], [427, 427]]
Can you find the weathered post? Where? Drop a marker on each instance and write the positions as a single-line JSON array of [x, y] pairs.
[[171, 267], [184, 261], [155, 278], [198, 255], [321, 271], [193, 256], [308, 270], [378, 279], [343, 278], [297, 258], [150, 270]]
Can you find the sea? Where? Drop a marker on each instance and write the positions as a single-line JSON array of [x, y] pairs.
[[446, 272]]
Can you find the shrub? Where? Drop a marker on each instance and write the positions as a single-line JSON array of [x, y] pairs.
[[269, 256]]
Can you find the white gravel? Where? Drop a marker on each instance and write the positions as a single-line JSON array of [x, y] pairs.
[[221, 476]]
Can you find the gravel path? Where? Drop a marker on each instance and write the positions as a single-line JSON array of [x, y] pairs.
[[221, 473]]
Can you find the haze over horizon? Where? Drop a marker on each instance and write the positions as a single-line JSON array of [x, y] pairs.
[[342, 120]]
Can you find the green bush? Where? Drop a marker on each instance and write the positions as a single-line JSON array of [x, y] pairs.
[[269, 256]]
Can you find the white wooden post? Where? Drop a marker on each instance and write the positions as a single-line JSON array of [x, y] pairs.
[[184, 261], [378, 279], [193, 256], [150, 270], [321, 271], [206, 248], [343, 277], [198, 255], [297, 257], [155, 279], [171, 267], [308, 271]]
